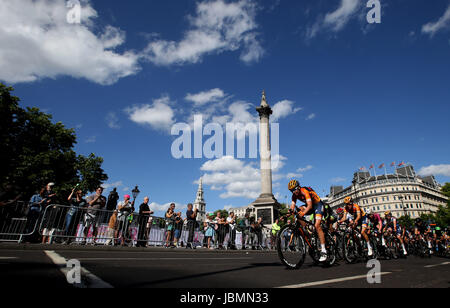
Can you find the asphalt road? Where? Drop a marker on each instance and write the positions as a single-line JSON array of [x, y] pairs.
[[159, 268]]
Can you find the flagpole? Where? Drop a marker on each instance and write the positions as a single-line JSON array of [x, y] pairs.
[[375, 172]]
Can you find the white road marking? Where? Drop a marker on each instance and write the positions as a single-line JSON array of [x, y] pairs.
[[440, 264], [318, 283], [8, 258], [156, 259], [61, 262]]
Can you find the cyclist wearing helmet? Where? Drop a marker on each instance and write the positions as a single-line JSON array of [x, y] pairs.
[[361, 219], [421, 230], [377, 223], [392, 224], [314, 205]]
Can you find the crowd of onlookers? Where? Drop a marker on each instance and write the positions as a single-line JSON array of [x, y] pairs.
[[96, 210]]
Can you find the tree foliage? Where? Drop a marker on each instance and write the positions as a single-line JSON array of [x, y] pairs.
[[36, 151]]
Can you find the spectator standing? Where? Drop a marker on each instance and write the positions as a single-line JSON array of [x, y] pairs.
[[113, 198], [125, 208], [209, 230], [73, 214], [191, 218], [112, 228], [220, 230], [144, 217], [178, 228], [170, 222], [95, 202], [252, 234], [259, 227], [274, 231], [34, 212], [52, 213], [244, 226], [231, 223]]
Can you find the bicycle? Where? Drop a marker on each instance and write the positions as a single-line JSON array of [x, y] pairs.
[[295, 240]]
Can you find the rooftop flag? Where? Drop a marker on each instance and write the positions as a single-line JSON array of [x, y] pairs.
[[393, 164], [401, 164], [381, 166]]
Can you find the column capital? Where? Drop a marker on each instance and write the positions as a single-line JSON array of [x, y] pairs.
[[264, 112]]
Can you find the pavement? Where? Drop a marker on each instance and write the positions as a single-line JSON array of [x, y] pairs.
[[117, 267]]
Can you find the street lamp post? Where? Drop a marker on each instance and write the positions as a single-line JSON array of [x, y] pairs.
[[403, 205], [135, 193]]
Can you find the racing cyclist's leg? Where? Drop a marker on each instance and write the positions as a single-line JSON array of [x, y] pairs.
[[399, 237], [318, 211], [364, 229], [321, 234]]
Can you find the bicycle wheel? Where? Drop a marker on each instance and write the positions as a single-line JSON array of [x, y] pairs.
[[339, 247], [396, 248], [290, 247], [330, 245], [350, 248], [374, 243]]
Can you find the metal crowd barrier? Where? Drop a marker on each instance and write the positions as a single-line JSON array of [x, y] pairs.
[[16, 222], [72, 225]]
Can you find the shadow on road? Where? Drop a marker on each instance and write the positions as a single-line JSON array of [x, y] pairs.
[[202, 275]]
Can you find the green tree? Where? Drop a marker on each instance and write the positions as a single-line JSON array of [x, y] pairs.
[[224, 213], [36, 151]]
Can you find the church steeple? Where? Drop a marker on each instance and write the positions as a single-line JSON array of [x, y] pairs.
[[200, 203]]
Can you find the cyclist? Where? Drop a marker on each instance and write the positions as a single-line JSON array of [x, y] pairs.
[[314, 205], [392, 224], [377, 223], [421, 231], [360, 220]]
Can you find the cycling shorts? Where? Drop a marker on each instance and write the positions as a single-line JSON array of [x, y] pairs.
[[317, 210]]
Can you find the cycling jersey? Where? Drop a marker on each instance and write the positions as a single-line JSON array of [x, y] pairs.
[[354, 210], [375, 219], [305, 195]]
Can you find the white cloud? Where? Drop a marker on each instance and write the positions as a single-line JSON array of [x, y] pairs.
[[307, 168], [107, 186], [159, 115], [335, 21], [226, 163], [311, 116], [218, 26], [339, 18], [112, 120], [38, 42], [234, 176], [443, 23], [283, 109], [205, 97], [293, 175], [435, 170], [91, 139]]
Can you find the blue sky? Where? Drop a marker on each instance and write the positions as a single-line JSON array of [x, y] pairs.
[[347, 93]]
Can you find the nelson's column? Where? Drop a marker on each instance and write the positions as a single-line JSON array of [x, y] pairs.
[[266, 204]]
